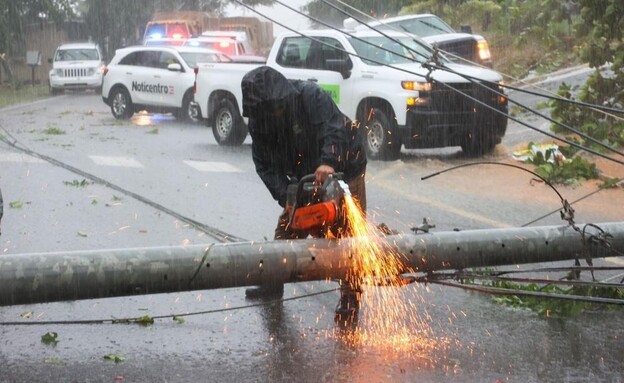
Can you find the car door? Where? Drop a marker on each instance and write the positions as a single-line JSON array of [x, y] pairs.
[[142, 75], [313, 60], [168, 86]]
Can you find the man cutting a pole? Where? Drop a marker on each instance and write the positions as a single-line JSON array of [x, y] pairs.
[[297, 131]]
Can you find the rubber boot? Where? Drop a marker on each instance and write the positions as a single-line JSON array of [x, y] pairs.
[[348, 307]]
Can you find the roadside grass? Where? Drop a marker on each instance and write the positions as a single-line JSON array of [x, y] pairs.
[[11, 95]]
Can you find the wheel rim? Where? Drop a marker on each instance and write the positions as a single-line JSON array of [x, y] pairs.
[[190, 112], [375, 136], [119, 103], [223, 124]]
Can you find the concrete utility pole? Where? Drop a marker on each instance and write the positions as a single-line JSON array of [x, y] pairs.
[[62, 276]]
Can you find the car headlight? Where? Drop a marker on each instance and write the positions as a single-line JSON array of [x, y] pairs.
[[483, 49], [415, 85], [423, 88], [417, 101], [502, 99], [59, 72], [91, 72]]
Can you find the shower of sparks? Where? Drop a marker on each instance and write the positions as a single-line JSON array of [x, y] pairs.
[[388, 319]]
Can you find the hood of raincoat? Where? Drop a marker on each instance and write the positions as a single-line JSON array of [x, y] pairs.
[[263, 89]]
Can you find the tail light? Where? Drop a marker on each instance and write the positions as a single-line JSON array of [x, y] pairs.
[[105, 71]]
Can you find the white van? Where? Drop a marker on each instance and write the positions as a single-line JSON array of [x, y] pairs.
[[76, 66]]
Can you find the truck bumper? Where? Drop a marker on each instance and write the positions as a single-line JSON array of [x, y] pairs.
[[79, 83], [432, 129]]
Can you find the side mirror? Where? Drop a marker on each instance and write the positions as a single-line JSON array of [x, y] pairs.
[[175, 67], [342, 66], [49, 61]]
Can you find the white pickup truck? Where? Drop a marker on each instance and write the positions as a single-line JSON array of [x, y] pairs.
[[397, 99]]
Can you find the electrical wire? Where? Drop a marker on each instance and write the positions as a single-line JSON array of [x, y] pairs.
[[553, 97], [544, 281], [566, 204], [211, 231], [558, 98], [480, 82], [131, 320], [473, 80], [226, 237], [500, 164], [462, 275], [535, 294], [427, 77], [569, 101], [557, 210]]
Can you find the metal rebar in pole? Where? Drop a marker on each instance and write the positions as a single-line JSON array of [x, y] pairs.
[[63, 276]]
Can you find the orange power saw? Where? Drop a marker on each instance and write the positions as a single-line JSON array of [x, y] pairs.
[[314, 207]]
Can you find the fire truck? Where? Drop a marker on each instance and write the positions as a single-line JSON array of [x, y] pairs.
[[175, 27]]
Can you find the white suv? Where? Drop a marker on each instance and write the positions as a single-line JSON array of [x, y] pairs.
[[154, 78], [76, 66]]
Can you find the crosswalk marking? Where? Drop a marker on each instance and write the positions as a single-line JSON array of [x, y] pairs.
[[19, 157], [128, 162], [125, 162], [206, 166]]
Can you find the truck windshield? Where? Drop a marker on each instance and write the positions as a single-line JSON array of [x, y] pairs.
[[421, 26], [377, 50], [76, 54]]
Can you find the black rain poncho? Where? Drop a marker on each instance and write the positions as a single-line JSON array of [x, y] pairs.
[[295, 127]]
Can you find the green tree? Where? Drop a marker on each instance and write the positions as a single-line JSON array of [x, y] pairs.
[[602, 29], [115, 23], [524, 35], [14, 15]]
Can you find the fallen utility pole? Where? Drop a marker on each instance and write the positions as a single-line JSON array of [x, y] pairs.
[[62, 276]]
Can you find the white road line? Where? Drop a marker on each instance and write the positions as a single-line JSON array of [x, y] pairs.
[[217, 167], [407, 194], [616, 260], [443, 206], [19, 157], [125, 162]]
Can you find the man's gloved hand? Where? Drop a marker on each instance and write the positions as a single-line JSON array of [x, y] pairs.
[[321, 173]]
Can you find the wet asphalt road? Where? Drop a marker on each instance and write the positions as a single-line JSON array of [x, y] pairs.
[[228, 338]]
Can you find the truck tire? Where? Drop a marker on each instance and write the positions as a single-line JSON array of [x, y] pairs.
[[186, 113], [121, 103], [477, 143], [382, 140], [228, 126]]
